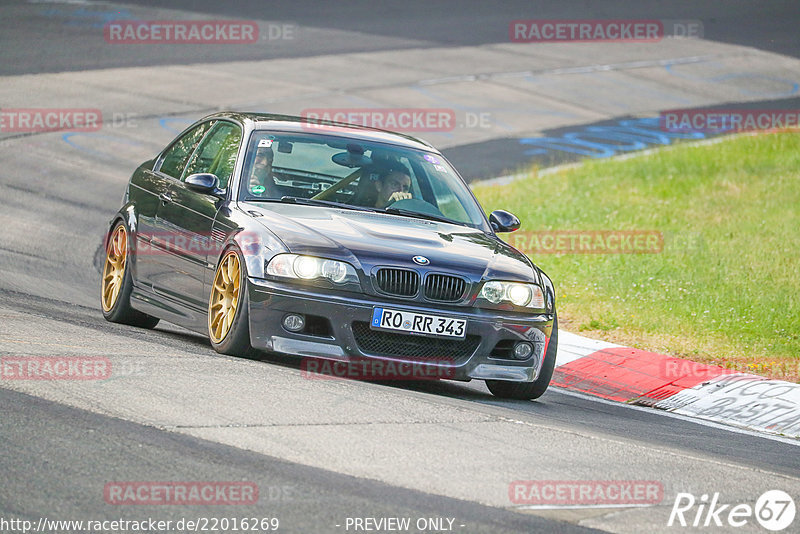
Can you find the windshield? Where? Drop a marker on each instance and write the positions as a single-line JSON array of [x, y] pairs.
[[355, 173]]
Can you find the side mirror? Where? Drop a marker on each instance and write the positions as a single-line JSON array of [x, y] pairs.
[[503, 221], [205, 183]]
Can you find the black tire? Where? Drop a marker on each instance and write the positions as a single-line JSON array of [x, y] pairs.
[[120, 310], [530, 390], [236, 341]]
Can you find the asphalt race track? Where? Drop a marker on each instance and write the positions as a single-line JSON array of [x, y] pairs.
[[323, 451]]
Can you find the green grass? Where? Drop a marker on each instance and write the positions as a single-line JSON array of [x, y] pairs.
[[725, 287]]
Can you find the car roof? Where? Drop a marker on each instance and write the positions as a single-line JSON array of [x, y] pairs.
[[295, 124]]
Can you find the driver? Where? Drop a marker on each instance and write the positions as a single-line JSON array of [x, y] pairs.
[[392, 185], [262, 181]]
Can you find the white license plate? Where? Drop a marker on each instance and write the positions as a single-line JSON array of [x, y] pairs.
[[418, 323]]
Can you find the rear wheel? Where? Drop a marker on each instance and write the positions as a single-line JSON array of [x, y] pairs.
[[228, 306], [117, 283], [530, 390]]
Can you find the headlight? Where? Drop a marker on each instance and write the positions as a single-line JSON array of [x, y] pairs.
[[335, 271], [306, 267], [311, 268], [519, 294], [494, 292]]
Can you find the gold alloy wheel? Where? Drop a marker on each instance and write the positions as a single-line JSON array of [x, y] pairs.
[[224, 297], [114, 270]]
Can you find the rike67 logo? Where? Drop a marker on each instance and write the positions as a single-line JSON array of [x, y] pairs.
[[774, 510]]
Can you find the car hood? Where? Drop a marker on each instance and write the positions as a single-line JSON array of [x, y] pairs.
[[367, 239]]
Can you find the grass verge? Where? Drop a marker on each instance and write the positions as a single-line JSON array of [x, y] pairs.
[[724, 287]]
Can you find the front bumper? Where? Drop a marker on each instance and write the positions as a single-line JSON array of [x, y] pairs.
[[343, 334]]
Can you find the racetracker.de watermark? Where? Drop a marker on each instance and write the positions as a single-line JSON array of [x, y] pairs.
[[201, 244], [181, 32], [676, 368], [369, 369], [180, 493], [55, 368], [32, 120], [578, 493], [729, 120], [599, 30], [403, 119], [589, 242]]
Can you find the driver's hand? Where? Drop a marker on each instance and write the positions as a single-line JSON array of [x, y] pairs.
[[399, 195]]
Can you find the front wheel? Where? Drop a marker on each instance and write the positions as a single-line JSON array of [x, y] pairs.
[[530, 390], [228, 307], [117, 283]]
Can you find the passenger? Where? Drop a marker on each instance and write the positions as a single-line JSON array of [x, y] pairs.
[[262, 181]]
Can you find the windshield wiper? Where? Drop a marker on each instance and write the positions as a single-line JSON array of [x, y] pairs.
[[318, 202], [419, 215]]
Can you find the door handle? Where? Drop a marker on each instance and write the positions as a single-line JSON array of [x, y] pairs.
[[165, 198]]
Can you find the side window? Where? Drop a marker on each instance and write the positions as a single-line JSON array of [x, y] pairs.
[[176, 156], [217, 152]]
